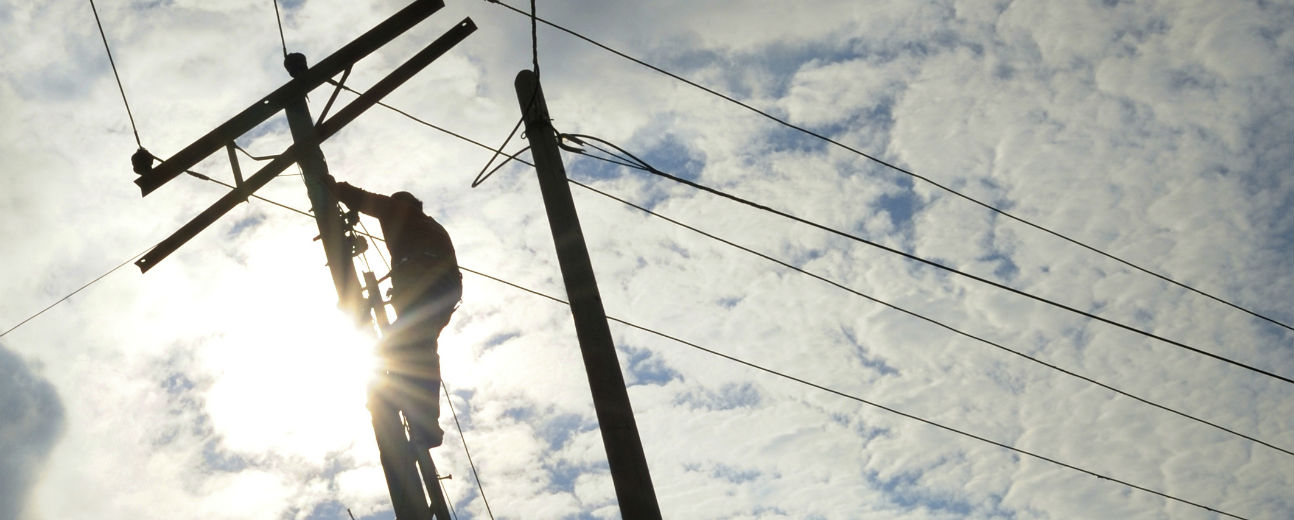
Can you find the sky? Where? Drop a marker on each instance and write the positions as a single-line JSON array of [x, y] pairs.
[[224, 383]]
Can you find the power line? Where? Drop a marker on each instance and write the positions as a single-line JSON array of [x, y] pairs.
[[200, 176], [475, 476], [534, 52], [906, 172], [120, 88], [73, 293], [864, 401], [923, 317], [423, 122], [625, 162], [141, 253], [444, 493], [715, 353], [279, 18], [652, 170]]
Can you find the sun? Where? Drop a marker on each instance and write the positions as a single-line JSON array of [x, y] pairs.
[[296, 384]]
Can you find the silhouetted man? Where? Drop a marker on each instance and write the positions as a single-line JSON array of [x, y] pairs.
[[426, 288]]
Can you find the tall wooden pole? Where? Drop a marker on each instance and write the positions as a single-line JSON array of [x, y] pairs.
[[624, 448], [314, 172]]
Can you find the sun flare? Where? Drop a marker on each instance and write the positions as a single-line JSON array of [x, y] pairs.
[[297, 385]]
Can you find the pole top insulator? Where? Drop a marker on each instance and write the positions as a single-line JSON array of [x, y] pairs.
[[295, 63], [141, 161]]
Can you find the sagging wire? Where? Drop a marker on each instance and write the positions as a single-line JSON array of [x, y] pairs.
[[931, 263]]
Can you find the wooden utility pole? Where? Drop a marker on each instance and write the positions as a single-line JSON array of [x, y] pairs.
[[400, 460], [625, 456], [314, 172]]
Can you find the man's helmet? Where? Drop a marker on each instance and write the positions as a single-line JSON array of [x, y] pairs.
[[406, 197]]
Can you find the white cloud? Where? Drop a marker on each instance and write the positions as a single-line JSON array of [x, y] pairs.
[[208, 387]]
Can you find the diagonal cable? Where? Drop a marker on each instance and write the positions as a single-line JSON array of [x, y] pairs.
[[475, 476], [649, 169], [868, 402], [120, 88], [626, 162], [927, 319], [904, 171]]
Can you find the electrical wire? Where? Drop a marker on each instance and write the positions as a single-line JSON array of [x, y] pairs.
[[649, 169], [279, 18], [904, 171], [534, 96], [197, 175], [623, 161], [425, 123], [626, 162], [444, 492], [475, 476], [112, 62], [724, 356], [927, 319], [73, 293], [862, 400], [141, 253]]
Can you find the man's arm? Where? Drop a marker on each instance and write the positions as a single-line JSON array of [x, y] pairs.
[[355, 198]]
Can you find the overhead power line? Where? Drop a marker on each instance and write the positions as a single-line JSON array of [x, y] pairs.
[[534, 53], [743, 362], [855, 398], [652, 170], [476, 476], [279, 18], [120, 88], [927, 319], [626, 162], [73, 293], [905, 171]]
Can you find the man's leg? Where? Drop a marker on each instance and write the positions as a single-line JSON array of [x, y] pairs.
[[415, 359], [423, 408]]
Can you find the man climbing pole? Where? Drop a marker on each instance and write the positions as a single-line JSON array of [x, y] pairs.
[[426, 287]]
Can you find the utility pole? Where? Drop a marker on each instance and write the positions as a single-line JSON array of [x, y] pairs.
[[314, 172], [624, 449], [400, 460]]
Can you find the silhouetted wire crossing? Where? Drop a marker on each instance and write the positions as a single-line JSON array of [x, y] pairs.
[[903, 170], [534, 56], [626, 162], [862, 400], [652, 170]]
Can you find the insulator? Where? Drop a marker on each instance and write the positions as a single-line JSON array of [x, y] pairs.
[[295, 63], [141, 161]]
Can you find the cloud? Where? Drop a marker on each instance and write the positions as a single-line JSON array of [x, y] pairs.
[[31, 422], [1158, 132]]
